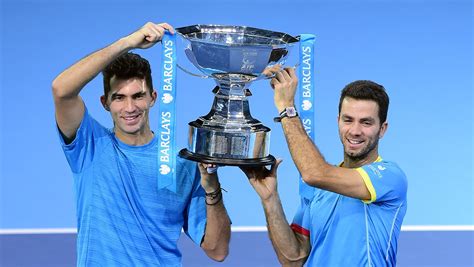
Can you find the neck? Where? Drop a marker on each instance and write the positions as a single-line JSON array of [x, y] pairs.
[[352, 162], [135, 139]]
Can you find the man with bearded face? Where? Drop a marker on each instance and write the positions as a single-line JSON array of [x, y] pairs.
[[354, 211]]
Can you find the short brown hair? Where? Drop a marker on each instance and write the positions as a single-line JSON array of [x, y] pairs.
[[126, 66], [367, 90]]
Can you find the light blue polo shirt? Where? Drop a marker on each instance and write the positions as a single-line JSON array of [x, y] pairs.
[[345, 231], [122, 217]]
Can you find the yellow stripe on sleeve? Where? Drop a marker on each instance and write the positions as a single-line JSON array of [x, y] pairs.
[[368, 184]]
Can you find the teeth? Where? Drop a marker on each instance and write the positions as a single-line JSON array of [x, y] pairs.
[[355, 142], [130, 118]]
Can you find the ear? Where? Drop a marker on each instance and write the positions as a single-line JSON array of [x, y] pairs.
[[154, 96], [103, 100], [383, 129]]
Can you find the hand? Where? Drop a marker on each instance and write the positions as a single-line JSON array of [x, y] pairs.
[[263, 180], [148, 35], [284, 85], [209, 180], [270, 71]]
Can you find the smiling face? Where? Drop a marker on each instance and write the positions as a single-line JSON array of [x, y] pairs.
[[360, 130], [129, 102]]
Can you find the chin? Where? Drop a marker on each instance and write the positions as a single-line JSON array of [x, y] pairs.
[[131, 131], [353, 154]]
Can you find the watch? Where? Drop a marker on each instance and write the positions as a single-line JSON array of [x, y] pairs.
[[289, 112]]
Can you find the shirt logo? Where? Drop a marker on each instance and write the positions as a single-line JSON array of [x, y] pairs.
[[375, 170], [164, 169], [381, 167]]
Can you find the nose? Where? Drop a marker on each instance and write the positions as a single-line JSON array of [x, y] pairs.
[[130, 105], [355, 129]]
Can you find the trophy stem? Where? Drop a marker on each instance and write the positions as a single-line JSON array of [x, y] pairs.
[[228, 133], [230, 109]]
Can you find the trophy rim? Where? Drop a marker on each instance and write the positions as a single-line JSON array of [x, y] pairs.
[[249, 162], [285, 38]]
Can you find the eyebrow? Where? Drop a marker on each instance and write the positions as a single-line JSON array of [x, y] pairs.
[[369, 119], [134, 95], [139, 94], [344, 116], [115, 95]]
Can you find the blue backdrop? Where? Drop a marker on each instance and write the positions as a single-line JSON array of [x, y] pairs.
[[421, 51]]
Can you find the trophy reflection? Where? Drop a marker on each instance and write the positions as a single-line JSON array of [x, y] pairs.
[[234, 56]]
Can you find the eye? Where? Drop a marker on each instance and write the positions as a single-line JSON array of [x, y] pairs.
[[117, 97], [139, 96]]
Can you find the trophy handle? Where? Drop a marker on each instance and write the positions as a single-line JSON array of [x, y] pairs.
[[273, 76], [191, 58], [192, 73]]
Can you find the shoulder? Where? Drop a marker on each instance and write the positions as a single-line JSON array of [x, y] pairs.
[[89, 121], [384, 168], [386, 173], [89, 129]]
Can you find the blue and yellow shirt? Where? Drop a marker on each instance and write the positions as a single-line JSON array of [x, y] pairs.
[[345, 231]]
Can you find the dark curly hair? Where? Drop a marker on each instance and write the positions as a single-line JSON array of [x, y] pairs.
[[126, 66], [367, 90]]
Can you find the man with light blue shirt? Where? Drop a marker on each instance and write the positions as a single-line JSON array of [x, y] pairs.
[[124, 217], [351, 214]]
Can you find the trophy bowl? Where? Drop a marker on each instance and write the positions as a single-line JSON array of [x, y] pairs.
[[234, 56]]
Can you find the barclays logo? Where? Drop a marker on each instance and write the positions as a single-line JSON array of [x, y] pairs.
[[164, 169], [167, 98], [307, 105]]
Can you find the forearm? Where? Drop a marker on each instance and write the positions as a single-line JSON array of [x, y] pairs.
[[70, 82], [306, 156], [289, 249], [217, 234]]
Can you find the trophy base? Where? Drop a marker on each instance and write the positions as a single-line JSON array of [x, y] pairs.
[[268, 160]]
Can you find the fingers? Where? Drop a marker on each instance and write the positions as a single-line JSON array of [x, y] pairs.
[[254, 172], [248, 172], [274, 82], [168, 27], [209, 168], [270, 71], [208, 165], [274, 168], [285, 75], [291, 72], [154, 32]]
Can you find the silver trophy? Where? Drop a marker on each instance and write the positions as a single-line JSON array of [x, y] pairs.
[[234, 56]]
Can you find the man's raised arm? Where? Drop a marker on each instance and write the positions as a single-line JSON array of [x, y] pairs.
[[67, 85], [311, 164]]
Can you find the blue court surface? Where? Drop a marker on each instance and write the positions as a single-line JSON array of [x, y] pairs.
[[248, 249]]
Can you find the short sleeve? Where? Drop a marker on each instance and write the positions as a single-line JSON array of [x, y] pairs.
[[195, 217], [301, 222], [385, 182], [80, 151]]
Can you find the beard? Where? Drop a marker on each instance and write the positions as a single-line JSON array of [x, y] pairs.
[[365, 151], [362, 154]]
